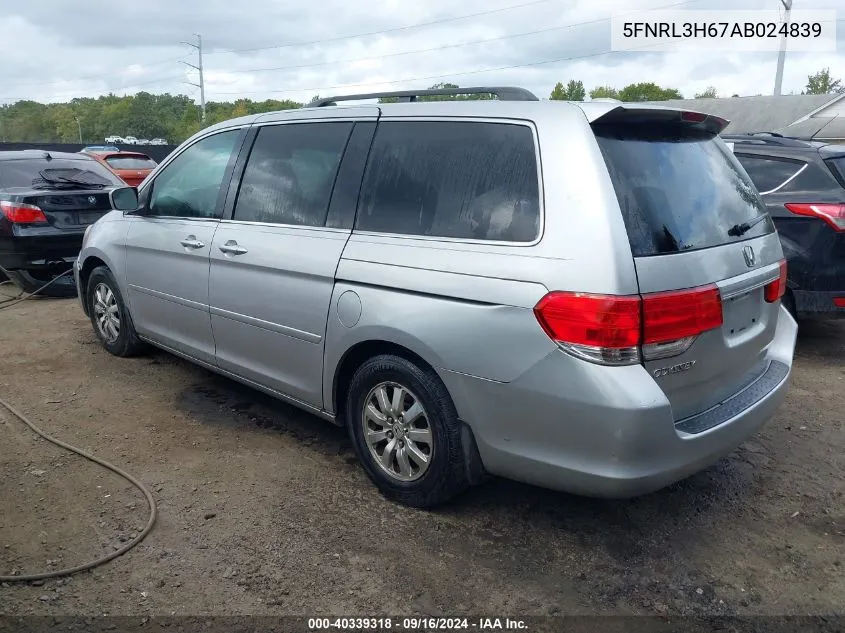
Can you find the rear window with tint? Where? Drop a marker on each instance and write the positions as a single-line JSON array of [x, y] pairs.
[[678, 189], [130, 162], [837, 165], [769, 173], [26, 172], [452, 179]]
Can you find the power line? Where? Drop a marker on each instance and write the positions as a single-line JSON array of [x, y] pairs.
[[333, 39], [458, 74], [396, 29], [346, 37], [99, 75], [448, 46], [201, 84], [445, 76]]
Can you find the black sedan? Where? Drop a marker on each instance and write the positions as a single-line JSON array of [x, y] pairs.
[[47, 200]]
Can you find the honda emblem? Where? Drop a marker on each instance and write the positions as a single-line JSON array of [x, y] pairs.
[[748, 253]]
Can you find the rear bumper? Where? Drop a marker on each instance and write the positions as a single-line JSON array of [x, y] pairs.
[[33, 253], [602, 431], [819, 304], [80, 291]]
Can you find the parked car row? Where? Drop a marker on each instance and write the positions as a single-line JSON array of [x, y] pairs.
[[604, 317], [131, 140], [47, 200], [803, 185]]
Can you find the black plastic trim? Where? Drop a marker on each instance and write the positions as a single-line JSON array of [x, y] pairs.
[[736, 404]]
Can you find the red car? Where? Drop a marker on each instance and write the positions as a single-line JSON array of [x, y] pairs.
[[131, 167]]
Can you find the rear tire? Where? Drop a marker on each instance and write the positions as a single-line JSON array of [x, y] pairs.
[[109, 315], [431, 430]]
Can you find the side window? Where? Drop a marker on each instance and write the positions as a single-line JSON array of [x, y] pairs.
[[452, 179], [188, 187], [290, 173], [768, 173]]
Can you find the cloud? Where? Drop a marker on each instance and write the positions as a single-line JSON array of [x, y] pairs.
[[77, 49]]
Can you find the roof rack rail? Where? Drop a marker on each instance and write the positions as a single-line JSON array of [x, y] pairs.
[[768, 138], [504, 93]]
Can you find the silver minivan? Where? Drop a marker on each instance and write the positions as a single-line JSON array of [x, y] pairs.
[[582, 296]]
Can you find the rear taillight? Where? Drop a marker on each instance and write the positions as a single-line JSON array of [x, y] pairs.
[[672, 320], [777, 288], [832, 213], [668, 316], [611, 329], [600, 328], [839, 302], [21, 213]]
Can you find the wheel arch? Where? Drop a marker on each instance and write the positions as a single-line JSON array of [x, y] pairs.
[[358, 354], [88, 265], [363, 350]]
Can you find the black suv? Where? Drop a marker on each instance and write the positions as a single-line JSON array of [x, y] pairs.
[[47, 200], [803, 185]]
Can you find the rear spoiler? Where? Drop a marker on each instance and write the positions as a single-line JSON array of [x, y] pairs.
[[634, 114]]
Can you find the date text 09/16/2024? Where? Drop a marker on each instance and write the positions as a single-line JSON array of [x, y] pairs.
[[415, 624]]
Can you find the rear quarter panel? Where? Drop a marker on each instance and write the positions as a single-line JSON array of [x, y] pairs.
[[467, 306]]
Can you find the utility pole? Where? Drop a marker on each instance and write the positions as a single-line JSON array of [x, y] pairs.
[[79, 127], [198, 67], [787, 4]]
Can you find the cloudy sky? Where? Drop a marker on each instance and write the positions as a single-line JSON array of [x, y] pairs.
[[293, 49]]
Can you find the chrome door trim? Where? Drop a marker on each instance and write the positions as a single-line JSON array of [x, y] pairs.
[[172, 298], [308, 337]]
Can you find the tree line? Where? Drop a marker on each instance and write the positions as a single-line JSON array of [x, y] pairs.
[[819, 83], [143, 115], [176, 117]]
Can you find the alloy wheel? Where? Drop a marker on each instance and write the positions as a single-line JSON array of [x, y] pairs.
[[397, 431]]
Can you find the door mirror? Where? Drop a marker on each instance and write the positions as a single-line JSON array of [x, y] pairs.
[[124, 199]]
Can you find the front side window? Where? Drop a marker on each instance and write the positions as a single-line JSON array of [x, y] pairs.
[[468, 180], [189, 186], [290, 173]]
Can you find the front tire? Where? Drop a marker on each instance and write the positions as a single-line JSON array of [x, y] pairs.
[[110, 316], [406, 431]]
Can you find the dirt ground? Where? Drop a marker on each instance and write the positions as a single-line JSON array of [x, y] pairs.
[[263, 509]]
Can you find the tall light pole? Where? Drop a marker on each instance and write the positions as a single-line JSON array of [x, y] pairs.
[[787, 4], [198, 67], [78, 127]]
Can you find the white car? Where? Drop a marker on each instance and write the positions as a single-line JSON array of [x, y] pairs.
[[114, 139], [158, 141], [143, 141], [130, 140]]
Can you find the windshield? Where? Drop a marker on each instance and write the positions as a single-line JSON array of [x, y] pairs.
[[40, 173], [678, 189], [130, 162]]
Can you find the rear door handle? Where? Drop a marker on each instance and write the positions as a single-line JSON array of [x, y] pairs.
[[231, 247], [192, 242]]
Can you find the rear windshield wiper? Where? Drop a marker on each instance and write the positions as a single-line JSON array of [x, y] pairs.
[[61, 180], [738, 230]]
